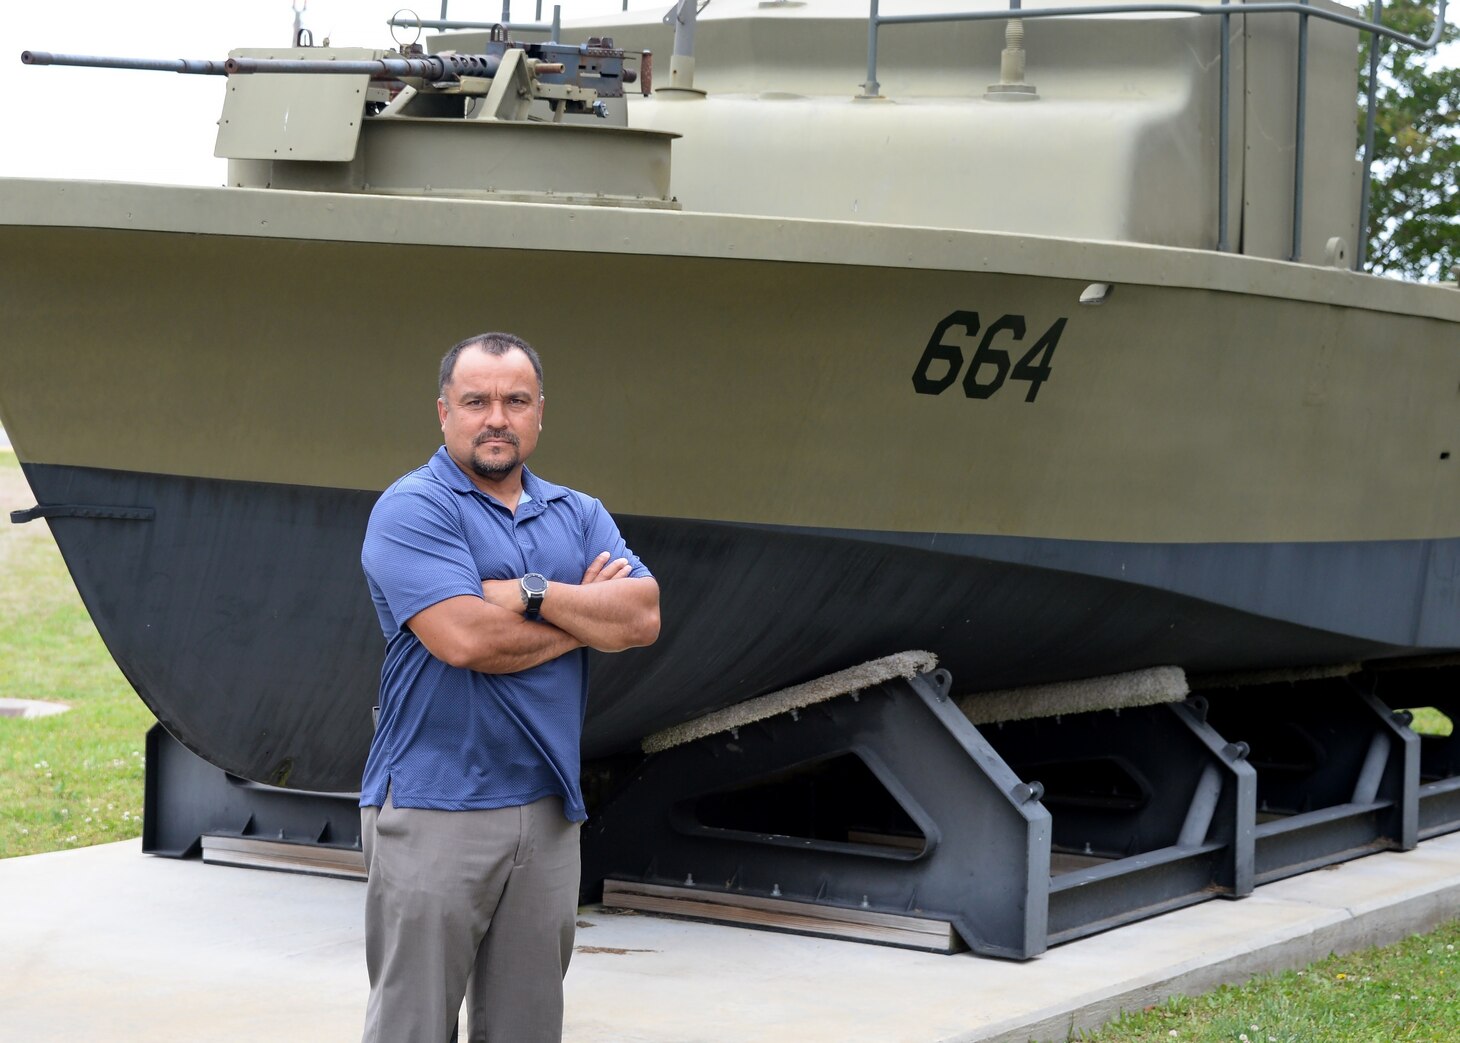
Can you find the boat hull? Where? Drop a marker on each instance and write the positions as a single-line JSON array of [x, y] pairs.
[[803, 427], [240, 614]]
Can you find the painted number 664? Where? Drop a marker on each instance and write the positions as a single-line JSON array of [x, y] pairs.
[[990, 365]]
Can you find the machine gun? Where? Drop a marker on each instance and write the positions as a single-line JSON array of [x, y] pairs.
[[509, 74], [401, 121]]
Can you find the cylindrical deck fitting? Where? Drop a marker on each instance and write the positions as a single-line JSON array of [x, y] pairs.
[[1011, 85]]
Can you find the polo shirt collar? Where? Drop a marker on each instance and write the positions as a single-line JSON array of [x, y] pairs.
[[540, 489], [454, 478]]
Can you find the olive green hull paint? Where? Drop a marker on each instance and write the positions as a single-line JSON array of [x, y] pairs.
[[765, 378]]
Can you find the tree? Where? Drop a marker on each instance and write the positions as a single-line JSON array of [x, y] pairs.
[[1414, 209]]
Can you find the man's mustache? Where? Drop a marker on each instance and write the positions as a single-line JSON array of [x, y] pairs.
[[499, 434]]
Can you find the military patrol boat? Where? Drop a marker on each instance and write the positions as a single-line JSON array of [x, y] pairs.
[[1020, 352]]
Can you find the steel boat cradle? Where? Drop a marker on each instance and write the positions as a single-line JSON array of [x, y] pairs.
[[1055, 525]]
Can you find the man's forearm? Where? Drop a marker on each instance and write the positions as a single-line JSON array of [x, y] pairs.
[[474, 634], [525, 645], [623, 613], [607, 612]]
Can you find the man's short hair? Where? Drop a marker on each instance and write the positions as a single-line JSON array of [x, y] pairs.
[[492, 344]]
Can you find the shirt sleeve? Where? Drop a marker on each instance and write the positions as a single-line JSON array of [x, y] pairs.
[[415, 553], [601, 534]]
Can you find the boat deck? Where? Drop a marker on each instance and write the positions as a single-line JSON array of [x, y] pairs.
[[106, 943]]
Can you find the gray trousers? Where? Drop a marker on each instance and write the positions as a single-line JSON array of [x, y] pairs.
[[486, 899]]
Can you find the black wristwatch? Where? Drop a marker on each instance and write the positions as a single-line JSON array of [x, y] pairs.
[[534, 587]]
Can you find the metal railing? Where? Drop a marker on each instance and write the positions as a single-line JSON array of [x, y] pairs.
[[1224, 11], [552, 28]]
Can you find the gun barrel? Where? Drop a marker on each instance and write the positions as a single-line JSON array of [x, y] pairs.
[[191, 66], [431, 67]]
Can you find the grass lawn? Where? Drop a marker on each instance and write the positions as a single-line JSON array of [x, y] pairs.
[[74, 778], [1397, 994]]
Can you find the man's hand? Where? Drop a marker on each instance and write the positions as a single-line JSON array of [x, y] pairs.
[[601, 570]]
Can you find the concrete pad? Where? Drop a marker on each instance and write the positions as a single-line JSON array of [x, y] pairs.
[[30, 708], [107, 943]]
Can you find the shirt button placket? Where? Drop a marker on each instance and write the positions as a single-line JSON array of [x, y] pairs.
[[523, 544]]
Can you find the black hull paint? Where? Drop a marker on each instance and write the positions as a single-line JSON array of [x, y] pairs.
[[240, 615]]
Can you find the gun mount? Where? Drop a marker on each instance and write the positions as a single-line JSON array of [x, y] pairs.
[[404, 122]]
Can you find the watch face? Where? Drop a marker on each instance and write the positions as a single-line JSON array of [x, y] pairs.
[[535, 583]]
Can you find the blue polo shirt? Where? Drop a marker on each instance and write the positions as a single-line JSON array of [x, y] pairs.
[[450, 738]]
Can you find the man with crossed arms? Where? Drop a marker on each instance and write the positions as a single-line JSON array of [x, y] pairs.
[[490, 583]]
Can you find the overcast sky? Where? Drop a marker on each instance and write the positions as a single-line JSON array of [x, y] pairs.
[[151, 126]]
